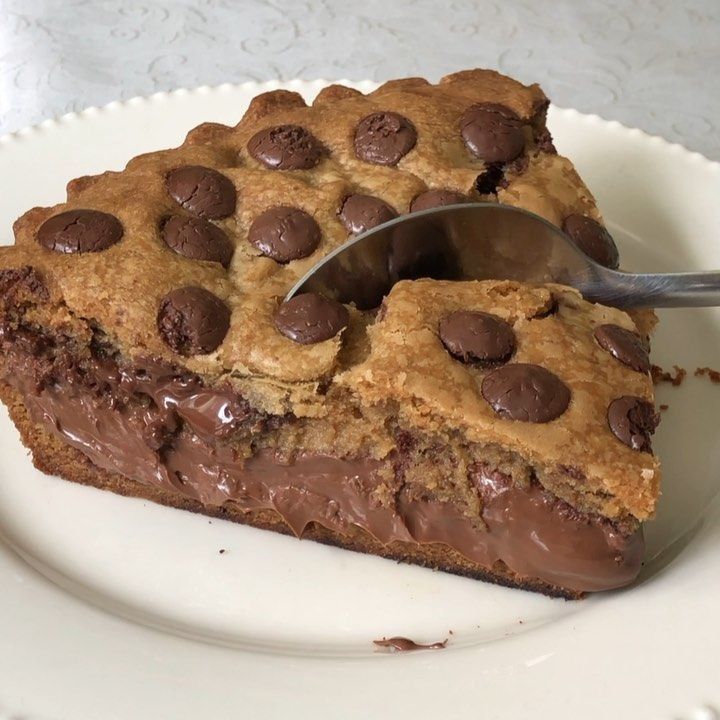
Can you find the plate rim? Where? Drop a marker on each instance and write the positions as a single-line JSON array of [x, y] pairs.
[[296, 83]]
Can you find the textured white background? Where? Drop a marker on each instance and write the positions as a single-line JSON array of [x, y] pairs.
[[654, 64]]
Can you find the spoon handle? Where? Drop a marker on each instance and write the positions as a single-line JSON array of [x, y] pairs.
[[656, 290]]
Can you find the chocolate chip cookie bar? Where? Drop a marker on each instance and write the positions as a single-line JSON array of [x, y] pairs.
[[494, 429]]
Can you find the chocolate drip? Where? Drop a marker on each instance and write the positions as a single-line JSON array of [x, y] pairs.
[[402, 644]]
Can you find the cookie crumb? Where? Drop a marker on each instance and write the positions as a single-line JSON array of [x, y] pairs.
[[221, 550], [712, 375], [660, 376]]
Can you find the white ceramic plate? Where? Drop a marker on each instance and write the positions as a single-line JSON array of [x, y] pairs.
[[274, 627]]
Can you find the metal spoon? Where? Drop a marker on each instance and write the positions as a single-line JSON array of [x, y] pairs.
[[482, 241]]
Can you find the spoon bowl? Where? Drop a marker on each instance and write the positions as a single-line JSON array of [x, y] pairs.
[[489, 241]]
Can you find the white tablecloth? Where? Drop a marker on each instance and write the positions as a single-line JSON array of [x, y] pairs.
[[653, 64]]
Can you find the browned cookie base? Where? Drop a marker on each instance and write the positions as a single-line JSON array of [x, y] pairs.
[[56, 458]]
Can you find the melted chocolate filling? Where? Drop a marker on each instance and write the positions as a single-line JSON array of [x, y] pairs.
[[162, 427]]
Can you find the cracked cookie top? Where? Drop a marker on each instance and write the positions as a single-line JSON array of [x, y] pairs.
[[242, 212]]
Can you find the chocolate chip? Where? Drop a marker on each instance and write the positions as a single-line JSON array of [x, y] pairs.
[[627, 346], [526, 392], [197, 239], [362, 212], [202, 191], [384, 137], [437, 198], [285, 147], [593, 239], [311, 318], [477, 337], [193, 321], [80, 231], [633, 420], [492, 132], [285, 234]]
